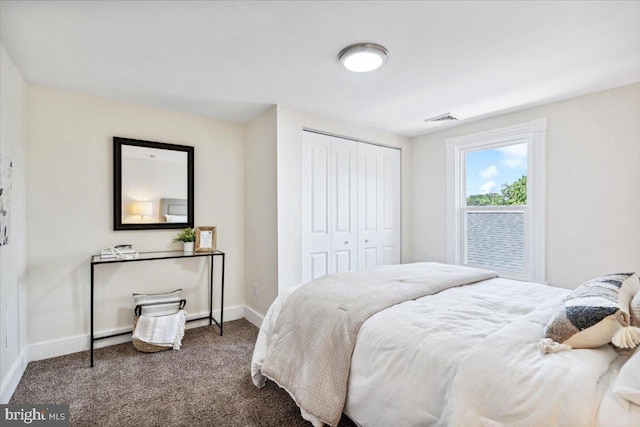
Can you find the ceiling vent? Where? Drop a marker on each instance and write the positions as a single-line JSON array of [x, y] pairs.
[[443, 119]]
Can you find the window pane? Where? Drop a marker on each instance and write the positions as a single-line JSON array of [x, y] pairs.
[[497, 176], [495, 240]]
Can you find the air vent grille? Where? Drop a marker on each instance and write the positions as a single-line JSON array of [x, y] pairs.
[[443, 118]]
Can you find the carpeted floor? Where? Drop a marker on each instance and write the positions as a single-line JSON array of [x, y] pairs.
[[206, 383]]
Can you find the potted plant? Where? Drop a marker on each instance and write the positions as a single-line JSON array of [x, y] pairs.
[[187, 237]]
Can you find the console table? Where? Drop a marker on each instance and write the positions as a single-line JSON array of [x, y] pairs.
[[156, 256]]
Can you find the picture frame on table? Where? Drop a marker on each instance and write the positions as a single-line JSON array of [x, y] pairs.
[[206, 239]]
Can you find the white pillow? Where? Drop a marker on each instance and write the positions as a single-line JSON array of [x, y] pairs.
[[176, 218], [635, 310], [627, 384], [159, 304]]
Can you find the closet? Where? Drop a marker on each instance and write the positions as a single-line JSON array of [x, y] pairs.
[[350, 205]]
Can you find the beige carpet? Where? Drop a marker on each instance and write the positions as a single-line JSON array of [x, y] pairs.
[[206, 383]]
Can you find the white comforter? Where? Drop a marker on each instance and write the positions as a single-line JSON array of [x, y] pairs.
[[468, 357]]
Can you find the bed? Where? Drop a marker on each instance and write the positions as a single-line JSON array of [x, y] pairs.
[[173, 210], [462, 355]]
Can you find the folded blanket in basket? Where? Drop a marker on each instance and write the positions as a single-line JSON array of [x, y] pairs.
[[164, 331]]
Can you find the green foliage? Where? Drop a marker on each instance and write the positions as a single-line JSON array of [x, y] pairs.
[[490, 199], [186, 235], [516, 193], [510, 194]]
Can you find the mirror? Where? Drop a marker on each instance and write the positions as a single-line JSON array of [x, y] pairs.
[[153, 185]]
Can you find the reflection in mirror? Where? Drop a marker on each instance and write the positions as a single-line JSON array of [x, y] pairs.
[[149, 175], [152, 185]]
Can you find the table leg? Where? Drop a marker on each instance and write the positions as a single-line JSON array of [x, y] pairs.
[[211, 291], [222, 298], [92, 315]]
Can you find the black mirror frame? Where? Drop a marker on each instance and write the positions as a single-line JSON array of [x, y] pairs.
[[117, 185]]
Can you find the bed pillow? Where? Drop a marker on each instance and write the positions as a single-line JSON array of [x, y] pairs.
[[176, 218], [163, 304], [635, 310], [594, 314], [627, 384]]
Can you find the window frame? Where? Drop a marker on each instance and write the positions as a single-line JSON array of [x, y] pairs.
[[534, 134]]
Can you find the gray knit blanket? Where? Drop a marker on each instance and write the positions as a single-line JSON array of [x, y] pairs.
[[309, 354]]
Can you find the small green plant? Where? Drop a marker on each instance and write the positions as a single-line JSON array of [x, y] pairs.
[[186, 235]]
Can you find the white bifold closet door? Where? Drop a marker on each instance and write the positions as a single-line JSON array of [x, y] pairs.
[[378, 206], [350, 205]]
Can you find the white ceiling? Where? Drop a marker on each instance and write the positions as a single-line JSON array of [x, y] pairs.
[[231, 60]]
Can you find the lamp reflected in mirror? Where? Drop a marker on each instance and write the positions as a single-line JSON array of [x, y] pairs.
[[142, 208]]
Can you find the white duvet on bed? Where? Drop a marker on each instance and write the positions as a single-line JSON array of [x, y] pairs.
[[468, 356]]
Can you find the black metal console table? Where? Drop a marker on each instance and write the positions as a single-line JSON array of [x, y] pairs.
[[151, 256]]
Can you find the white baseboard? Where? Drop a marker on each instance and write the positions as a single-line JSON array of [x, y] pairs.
[[48, 349], [13, 376], [253, 316]]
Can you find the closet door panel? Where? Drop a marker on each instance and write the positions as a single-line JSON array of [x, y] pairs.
[[370, 257], [344, 241], [316, 202], [390, 224], [368, 205], [389, 255], [370, 191], [342, 261], [319, 191], [319, 265]]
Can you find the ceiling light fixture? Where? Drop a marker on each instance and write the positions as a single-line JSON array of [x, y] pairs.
[[363, 57]]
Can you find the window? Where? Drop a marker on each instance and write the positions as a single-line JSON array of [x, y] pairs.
[[496, 200]]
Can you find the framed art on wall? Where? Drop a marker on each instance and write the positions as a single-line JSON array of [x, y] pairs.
[[5, 198], [205, 239]]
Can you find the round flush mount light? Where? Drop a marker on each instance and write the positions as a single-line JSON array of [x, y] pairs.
[[363, 57]]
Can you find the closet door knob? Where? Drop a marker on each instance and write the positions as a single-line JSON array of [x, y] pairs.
[[346, 242], [366, 240]]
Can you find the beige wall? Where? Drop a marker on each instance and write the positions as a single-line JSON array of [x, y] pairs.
[[261, 215], [290, 126], [273, 161], [70, 212], [592, 185], [13, 257]]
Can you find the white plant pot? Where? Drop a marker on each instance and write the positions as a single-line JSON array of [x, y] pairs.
[[188, 246]]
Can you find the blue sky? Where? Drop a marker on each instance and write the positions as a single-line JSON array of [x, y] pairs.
[[487, 170]]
